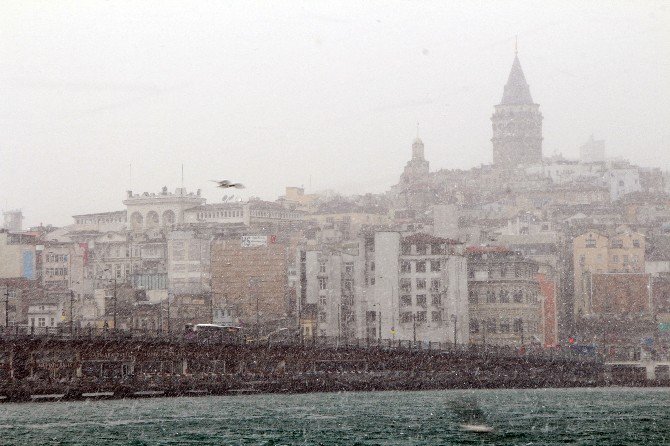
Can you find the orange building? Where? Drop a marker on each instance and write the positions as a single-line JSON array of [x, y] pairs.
[[549, 317]]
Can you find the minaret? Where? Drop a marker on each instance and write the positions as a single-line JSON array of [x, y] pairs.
[[517, 123]]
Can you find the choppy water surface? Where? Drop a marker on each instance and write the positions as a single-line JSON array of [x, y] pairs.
[[524, 417]]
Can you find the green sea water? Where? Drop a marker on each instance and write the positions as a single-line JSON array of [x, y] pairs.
[[520, 417]]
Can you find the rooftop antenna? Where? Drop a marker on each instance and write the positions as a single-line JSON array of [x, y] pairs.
[[182, 175], [516, 44], [130, 176], [417, 130]]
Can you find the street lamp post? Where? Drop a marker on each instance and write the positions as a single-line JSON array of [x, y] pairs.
[[454, 318]]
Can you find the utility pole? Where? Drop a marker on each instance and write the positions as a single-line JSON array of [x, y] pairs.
[[380, 327], [168, 314], [114, 303], [7, 308], [71, 312], [414, 326]]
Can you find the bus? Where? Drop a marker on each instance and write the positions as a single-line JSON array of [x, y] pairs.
[[217, 333]]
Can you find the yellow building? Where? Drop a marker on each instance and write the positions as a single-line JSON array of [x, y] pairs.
[[595, 253]]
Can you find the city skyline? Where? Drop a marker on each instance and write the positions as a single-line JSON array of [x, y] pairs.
[[74, 129]]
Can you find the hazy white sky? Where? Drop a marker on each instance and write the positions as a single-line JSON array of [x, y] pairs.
[[275, 93]]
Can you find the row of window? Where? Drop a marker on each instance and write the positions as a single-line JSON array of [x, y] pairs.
[[219, 214], [615, 258], [56, 258], [501, 272], [421, 300], [275, 214], [420, 316], [420, 284], [51, 272], [420, 266], [503, 296], [494, 326], [616, 243], [347, 285], [423, 249], [42, 322]]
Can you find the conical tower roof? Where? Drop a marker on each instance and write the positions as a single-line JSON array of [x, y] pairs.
[[516, 90]]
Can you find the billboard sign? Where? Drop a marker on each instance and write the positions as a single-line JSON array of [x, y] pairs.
[[250, 241]]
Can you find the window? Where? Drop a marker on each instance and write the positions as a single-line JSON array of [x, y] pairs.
[[636, 243], [323, 283], [51, 320], [504, 296], [491, 326], [590, 243], [406, 249], [617, 243], [474, 326], [406, 285], [322, 300], [615, 258], [518, 325], [405, 300], [421, 316], [370, 316], [322, 317], [421, 267], [503, 271], [472, 297], [518, 296], [517, 271], [504, 326], [405, 317], [436, 249], [372, 266], [349, 268], [32, 321], [41, 322], [435, 266], [471, 273], [322, 267], [435, 285], [421, 300], [490, 297], [405, 267], [420, 284], [625, 258], [436, 316], [421, 250], [436, 300]]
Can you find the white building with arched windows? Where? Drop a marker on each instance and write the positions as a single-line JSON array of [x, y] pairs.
[[164, 209]]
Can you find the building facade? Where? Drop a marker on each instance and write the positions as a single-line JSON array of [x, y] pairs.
[[504, 298]]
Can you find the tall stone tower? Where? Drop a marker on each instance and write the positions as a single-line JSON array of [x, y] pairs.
[[517, 123]]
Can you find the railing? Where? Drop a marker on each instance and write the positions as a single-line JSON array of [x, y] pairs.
[[224, 338]]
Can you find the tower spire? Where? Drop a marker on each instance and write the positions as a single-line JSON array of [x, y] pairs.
[[417, 129]]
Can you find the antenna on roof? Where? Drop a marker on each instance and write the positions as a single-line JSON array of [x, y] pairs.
[[417, 129], [516, 44], [182, 175], [130, 176]]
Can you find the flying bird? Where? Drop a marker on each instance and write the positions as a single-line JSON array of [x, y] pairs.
[[225, 184]]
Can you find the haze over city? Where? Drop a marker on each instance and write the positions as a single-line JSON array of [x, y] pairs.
[[303, 93]]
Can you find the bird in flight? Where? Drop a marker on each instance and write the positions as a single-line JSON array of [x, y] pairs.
[[225, 184]]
